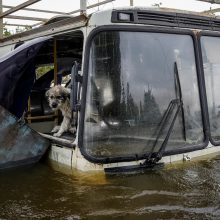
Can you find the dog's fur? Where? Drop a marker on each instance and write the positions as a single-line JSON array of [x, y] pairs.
[[59, 99]]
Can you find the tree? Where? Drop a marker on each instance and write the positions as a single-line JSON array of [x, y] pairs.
[[6, 32]]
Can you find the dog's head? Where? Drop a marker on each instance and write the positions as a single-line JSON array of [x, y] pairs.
[[57, 96]]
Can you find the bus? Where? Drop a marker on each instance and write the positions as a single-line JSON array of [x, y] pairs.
[[144, 87]]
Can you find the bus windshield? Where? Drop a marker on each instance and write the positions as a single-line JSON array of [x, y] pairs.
[[130, 87]]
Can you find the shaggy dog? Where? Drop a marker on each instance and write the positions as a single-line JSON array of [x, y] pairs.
[[59, 98]]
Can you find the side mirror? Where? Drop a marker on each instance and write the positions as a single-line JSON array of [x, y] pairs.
[[76, 82]]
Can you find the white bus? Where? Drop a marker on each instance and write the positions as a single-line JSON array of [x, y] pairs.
[[145, 85]]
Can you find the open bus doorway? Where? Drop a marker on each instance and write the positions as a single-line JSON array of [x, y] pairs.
[[54, 63], [31, 69]]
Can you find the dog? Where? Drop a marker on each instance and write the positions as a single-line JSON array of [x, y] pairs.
[[59, 99]]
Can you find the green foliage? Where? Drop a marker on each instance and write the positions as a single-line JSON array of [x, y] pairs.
[[6, 32], [18, 29], [40, 71]]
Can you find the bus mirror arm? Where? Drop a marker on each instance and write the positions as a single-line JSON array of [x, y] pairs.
[[76, 82]]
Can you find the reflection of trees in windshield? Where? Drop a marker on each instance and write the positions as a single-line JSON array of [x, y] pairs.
[[151, 112], [129, 110], [146, 112]]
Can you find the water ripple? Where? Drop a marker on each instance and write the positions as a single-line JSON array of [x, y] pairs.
[[165, 193]]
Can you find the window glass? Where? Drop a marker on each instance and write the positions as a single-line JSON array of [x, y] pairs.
[[211, 64], [132, 88]]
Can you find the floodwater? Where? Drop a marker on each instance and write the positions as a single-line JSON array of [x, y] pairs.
[[185, 191]]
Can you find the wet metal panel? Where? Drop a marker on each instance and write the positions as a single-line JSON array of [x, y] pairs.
[[19, 144]]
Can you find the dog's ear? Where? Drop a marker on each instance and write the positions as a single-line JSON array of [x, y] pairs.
[[65, 93], [47, 93]]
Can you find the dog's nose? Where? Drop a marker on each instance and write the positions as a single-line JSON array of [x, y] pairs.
[[54, 105]]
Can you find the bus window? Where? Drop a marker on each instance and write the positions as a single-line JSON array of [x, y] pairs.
[[211, 65], [131, 85]]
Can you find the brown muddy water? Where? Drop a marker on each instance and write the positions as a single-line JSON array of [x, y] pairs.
[[187, 191]]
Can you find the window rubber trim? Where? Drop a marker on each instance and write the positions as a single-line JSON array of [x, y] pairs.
[[200, 35], [200, 79]]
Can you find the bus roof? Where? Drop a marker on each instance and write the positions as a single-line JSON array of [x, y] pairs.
[[52, 27], [141, 15]]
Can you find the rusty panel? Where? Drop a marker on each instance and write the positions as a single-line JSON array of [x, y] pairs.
[[19, 144]]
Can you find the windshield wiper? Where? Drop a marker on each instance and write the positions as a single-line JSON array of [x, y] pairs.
[[154, 157], [178, 91]]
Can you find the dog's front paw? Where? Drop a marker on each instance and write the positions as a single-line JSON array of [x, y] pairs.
[[55, 129], [58, 134], [72, 130]]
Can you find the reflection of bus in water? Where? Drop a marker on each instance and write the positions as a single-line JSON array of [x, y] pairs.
[[144, 82]]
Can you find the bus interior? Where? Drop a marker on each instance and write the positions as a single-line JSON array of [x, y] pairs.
[[53, 64]]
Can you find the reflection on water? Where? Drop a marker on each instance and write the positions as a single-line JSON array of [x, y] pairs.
[[187, 191]]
